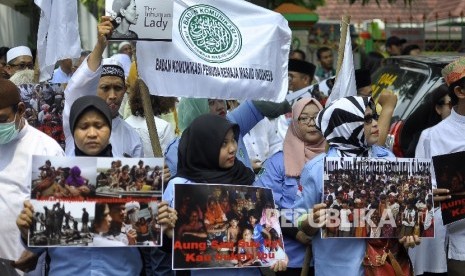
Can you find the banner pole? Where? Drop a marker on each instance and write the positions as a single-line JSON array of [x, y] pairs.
[[148, 112], [345, 21]]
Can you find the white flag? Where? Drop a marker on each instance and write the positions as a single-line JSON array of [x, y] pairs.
[[345, 80], [220, 49], [58, 35]]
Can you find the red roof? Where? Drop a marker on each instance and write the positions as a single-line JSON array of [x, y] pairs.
[[392, 13]]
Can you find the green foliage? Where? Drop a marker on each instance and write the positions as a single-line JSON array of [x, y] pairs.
[[96, 7], [309, 4]]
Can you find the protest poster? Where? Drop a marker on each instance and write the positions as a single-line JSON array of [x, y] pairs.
[[450, 173], [44, 108], [378, 197], [225, 226], [141, 19], [217, 53], [95, 201]]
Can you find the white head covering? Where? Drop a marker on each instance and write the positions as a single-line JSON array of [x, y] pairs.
[[124, 61], [16, 52], [122, 44]]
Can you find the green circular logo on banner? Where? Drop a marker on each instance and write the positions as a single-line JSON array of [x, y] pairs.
[[210, 34]]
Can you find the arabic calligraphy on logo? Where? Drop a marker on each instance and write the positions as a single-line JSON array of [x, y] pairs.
[[210, 34]]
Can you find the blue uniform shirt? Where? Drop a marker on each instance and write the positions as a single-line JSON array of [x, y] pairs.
[[285, 193], [168, 196], [332, 256]]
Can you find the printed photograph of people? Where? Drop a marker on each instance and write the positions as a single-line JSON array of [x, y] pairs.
[[129, 177], [62, 177], [44, 108], [223, 226], [450, 174], [94, 224], [378, 198]]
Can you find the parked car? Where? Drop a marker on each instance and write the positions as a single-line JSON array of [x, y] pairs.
[[411, 78]]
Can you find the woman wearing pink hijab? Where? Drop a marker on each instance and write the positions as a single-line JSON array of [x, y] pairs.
[[281, 173]]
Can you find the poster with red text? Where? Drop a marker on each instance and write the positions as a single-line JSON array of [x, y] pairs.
[[450, 174], [95, 201], [225, 226]]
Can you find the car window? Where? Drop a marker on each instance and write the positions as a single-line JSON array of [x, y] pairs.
[[405, 82]]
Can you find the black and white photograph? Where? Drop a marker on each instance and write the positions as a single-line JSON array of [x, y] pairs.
[[140, 19]]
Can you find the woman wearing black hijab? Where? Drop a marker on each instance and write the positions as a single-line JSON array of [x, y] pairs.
[[207, 154], [90, 123]]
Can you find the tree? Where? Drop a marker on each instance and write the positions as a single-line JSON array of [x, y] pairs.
[[313, 4]]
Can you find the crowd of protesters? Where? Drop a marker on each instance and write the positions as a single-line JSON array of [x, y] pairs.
[[295, 165]]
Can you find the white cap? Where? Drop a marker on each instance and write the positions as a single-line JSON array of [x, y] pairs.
[[16, 52], [132, 205], [122, 44], [124, 61]]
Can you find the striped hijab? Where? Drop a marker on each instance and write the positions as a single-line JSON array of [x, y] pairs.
[[342, 125]]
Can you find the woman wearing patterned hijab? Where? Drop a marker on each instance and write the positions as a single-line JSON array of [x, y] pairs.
[[350, 128], [281, 173]]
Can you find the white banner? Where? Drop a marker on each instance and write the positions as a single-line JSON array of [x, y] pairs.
[[344, 85], [58, 34], [221, 49]]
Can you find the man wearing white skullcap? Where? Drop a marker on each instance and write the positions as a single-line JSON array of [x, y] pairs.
[[125, 47], [18, 58]]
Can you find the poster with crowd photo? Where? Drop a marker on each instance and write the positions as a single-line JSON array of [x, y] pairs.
[[89, 178], [450, 174], [140, 19], [225, 226], [115, 223], [121, 194], [44, 108], [378, 197]]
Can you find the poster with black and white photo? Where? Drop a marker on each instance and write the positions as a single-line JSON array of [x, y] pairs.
[[378, 197], [140, 19], [225, 226], [450, 174], [96, 201]]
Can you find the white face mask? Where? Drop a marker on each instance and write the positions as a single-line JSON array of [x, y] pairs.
[[8, 132]]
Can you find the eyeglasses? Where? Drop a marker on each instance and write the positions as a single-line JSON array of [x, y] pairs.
[[368, 119], [23, 66], [307, 120]]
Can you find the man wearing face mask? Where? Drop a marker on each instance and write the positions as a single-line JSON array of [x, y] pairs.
[[18, 141]]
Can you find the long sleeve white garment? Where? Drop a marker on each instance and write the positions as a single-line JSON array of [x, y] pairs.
[[125, 141], [164, 130], [447, 137], [262, 141], [15, 182]]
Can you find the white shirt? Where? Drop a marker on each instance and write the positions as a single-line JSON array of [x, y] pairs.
[[15, 182], [164, 130], [262, 141], [345, 223], [60, 77], [447, 137], [125, 141]]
